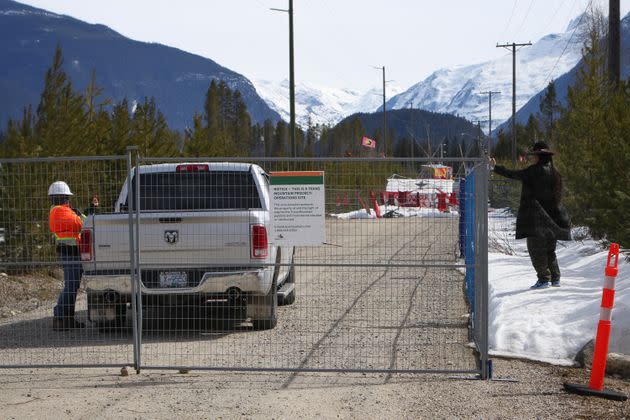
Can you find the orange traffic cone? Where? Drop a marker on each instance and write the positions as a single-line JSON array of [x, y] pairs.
[[596, 383]]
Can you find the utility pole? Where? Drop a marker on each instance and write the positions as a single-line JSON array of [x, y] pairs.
[[513, 45], [291, 77], [384, 116], [479, 145], [613, 42], [413, 133], [490, 93]]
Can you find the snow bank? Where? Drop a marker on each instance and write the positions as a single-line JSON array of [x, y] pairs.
[[552, 324], [396, 212]]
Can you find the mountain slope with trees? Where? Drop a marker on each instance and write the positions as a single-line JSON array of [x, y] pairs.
[[405, 127], [124, 68]]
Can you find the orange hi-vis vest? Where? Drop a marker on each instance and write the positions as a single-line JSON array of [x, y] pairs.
[[65, 225]]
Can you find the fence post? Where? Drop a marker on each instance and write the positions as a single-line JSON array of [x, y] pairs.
[[137, 258], [132, 258], [481, 265]]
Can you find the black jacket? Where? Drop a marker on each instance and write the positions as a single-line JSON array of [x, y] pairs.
[[539, 213]]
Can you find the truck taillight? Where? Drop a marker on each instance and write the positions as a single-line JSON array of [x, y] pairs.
[[192, 168], [260, 246], [85, 245]]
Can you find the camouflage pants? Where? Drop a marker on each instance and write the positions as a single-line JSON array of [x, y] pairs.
[[542, 252]]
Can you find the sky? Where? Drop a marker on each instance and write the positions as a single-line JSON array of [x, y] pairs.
[[337, 42]]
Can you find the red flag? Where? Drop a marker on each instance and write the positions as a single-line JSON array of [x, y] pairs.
[[368, 142]]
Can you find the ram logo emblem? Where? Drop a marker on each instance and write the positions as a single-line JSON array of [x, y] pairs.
[[171, 236]]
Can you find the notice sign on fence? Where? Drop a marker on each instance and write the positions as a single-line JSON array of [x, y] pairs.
[[298, 208]]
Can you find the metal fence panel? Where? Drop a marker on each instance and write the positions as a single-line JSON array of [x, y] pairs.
[[32, 277], [383, 294]]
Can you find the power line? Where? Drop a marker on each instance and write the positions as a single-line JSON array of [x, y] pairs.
[[511, 16], [548, 78], [529, 9], [553, 16]]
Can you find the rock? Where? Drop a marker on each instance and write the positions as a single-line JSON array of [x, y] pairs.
[[124, 371], [57, 273], [3, 275], [184, 371], [584, 357], [616, 364]]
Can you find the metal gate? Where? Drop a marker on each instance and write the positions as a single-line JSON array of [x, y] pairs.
[[31, 277], [389, 291]]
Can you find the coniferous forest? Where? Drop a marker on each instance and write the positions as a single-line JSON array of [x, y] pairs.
[[590, 134], [591, 138]]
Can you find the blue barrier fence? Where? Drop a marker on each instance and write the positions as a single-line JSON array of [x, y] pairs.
[[467, 233]]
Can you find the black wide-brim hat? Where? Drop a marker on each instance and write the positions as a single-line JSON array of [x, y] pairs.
[[540, 148]]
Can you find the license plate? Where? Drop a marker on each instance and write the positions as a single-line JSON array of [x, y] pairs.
[[173, 279]]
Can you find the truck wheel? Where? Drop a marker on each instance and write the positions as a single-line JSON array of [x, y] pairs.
[[270, 300], [120, 309]]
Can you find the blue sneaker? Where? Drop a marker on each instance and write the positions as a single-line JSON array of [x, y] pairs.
[[540, 285], [555, 283]]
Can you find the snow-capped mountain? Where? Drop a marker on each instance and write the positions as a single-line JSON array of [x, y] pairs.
[[319, 104], [460, 90]]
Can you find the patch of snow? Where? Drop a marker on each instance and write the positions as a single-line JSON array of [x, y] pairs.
[[318, 104], [553, 324], [194, 77], [396, 212], [24, 12], [459, 90]]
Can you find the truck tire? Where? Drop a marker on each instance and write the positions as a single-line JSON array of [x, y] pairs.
[[120, 309], [119, 325]]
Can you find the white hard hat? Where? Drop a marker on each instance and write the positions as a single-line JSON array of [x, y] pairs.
[[59, 188]]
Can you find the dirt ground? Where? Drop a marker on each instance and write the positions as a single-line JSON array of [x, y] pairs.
[[521, 390], [375, 317]]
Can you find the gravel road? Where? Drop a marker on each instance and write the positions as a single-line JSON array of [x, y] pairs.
[[411, 318]]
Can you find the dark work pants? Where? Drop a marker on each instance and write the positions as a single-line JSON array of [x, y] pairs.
[[542, 252], [72, 271]]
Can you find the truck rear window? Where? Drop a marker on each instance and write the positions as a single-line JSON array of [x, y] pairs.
[[213, 190]]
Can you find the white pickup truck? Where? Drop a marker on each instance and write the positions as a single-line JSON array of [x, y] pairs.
[[203, 240]]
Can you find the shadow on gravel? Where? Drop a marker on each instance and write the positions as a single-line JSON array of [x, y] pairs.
[[38, 332]]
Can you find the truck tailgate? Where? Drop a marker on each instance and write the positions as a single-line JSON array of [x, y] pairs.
[[177, 239]]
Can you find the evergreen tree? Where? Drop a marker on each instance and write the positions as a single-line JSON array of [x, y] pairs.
[[549, 109], [150, 131], [279, 143], [268, 133], [593, 140], [61, 118], [197, 143], [120, 134], [311, 138]]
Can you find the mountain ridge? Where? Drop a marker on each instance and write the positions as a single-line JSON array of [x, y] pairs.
[[459, 90], [124, 68]]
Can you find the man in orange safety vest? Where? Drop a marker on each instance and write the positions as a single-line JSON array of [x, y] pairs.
[[65, 225]]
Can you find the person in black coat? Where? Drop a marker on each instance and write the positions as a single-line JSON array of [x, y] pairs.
[[541, 217]]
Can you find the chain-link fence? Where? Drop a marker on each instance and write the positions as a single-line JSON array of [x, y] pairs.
[[182, 267], [503, 197], [32, 276]]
